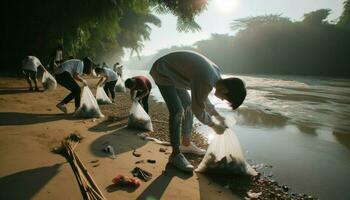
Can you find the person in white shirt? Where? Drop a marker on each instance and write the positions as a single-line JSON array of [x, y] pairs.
[[109, 79], [66, 74], [30, 66]]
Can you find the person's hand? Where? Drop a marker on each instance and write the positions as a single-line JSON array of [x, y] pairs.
[[219, 128], [221, 119], [85, 83]]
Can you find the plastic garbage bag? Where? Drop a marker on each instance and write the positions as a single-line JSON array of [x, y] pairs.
[[48, 81], [102, 97], [119, 86], [138, 118], [224, 156], [88, 105]]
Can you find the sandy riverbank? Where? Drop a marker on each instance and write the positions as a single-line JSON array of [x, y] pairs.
[[31, 126]]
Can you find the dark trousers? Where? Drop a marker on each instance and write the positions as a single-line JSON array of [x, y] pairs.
[[109, 88], [67, 81], [178, 102], [144, 102]]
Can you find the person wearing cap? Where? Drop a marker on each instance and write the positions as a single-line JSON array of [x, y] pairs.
[[140, 88], [179, 72], [67, 74], [108, 79]]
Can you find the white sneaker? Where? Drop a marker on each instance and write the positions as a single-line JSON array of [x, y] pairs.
[[192, 148], [62, 107]]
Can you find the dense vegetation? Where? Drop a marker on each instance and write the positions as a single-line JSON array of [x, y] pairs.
[[96, 28], [272, 44]]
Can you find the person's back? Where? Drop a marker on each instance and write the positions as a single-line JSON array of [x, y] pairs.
[[110, 74], [73, 65], [31, 63], [183, 68]]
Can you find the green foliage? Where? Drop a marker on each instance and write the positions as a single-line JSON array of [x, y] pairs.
[[97, 28], [344, 19], [317, 17]]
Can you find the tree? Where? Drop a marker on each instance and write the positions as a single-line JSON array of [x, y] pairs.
[[253, 22], [344, 19], [317, 17]]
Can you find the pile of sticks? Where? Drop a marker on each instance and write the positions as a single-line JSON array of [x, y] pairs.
[[88, 187]]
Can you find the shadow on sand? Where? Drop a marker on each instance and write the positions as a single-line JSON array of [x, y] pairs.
[[18, 90], [109, 125], [16, 118], [25, 184], [156, 189], [122, 140]]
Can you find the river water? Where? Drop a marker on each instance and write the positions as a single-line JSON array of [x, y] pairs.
[[298, 124]]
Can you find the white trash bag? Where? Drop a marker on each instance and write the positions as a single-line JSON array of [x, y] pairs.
[[119, 86], [102, 97], [88, 105], [138, 118], [48, 81], [224, 156]]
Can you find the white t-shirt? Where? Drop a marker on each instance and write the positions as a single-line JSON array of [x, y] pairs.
[[32, 63], [72, 66], [110, 74]]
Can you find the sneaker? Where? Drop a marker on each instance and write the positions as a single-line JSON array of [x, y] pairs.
[[193, 149], [37, 89], [31, 89], [179, 161], [62, 107]]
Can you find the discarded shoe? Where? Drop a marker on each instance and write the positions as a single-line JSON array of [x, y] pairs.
[[123, 181]]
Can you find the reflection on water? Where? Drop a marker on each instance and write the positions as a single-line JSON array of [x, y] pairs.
[[300, 125]]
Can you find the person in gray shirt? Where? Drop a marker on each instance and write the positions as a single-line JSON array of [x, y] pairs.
[[179, 71]]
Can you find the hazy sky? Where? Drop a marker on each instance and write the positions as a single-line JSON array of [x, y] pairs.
[[220, 13]]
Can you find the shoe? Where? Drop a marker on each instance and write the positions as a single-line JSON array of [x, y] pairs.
[[31, 89], [193, 149], [179, 161], [62, 107], [37, 89]]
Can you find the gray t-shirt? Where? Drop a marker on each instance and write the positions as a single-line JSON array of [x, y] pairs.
[[72, 66], [190, 71]]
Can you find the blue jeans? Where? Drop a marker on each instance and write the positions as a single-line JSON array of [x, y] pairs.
[[178, 102]]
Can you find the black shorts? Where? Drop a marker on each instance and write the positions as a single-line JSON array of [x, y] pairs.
[[29, 73]]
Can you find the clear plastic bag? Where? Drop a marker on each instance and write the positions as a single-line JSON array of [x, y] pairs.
[[224, 156], [48, 81], [102, 97], [88, 105], [138, 118], [119, 86]]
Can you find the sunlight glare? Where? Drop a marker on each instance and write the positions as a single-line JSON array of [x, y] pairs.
[[225, 6]]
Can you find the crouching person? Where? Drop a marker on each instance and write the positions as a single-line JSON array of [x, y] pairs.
[[178, 72], [30, 66], [140, 87], [109, 79], [67, 74]]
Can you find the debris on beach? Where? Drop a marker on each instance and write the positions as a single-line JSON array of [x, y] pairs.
[[124, 181], [134, 153], [162, 149], [142, 174], [76, 137], [109, 149], [151, 161]]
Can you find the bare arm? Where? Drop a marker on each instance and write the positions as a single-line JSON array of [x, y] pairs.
[[102, 80]]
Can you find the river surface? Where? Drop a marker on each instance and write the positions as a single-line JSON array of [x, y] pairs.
[[298, 124]]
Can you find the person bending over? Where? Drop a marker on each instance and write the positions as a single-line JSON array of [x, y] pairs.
[[140, 87], [175, 74], [30, 66], [108, 78], [67, 74]]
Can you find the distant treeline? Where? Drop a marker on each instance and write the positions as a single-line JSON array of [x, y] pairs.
[[100, 29], [272, 44]]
